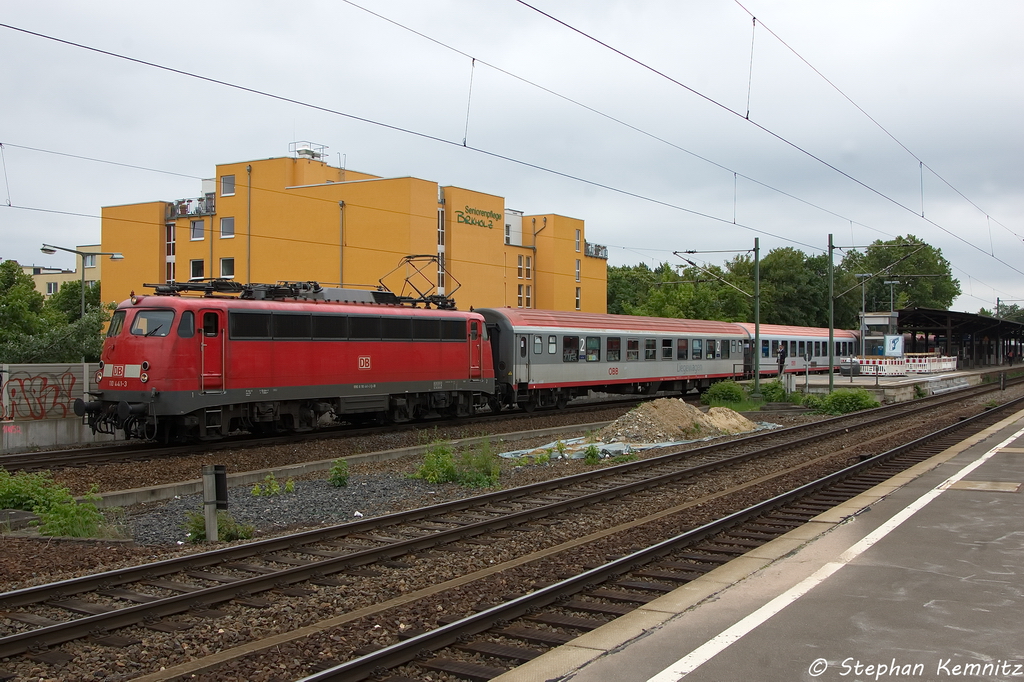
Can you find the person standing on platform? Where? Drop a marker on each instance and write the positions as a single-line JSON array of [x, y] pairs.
[[782, 359]]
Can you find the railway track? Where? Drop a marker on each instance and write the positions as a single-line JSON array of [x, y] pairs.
[[486, 644], [157, 595], [133, 451]]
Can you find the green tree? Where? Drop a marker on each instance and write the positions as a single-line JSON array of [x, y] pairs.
[[628, 286], [21, 306], [925, 277], [35, 330], [68, 299]]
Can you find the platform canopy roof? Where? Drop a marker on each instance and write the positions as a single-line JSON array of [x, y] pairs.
[[950, 323]]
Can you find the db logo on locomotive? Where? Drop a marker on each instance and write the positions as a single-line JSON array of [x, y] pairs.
[[364, 362]]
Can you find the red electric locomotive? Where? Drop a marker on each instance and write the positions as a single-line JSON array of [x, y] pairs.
[[292, 356]]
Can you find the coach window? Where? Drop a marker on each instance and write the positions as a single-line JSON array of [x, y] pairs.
[[614, 348], [682, 349], [650, 349], [698, 349], [522, 346], [775, 348], [632, 349], [792, 348], [725, 350], [764, 349], [152, 322], [570, 349], [187, 325], [593, 348], [666, 349], [710, 349], [538, 344], [802, 348]]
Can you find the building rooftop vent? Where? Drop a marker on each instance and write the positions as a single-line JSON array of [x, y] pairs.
[[307, 150]]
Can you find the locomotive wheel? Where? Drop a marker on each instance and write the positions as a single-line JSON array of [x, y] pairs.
[[494, 404], [561, 401], [530, 405]]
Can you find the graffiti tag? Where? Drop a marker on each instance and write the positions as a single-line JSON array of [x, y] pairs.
[[40, 396]]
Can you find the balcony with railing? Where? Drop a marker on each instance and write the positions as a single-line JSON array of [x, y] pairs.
[[183, 208], [595, 250]]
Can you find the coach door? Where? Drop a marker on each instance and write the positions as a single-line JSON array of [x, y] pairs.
[[211, 351], [475, 349]]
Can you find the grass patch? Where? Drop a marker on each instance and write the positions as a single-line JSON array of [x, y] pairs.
[[477, 467]]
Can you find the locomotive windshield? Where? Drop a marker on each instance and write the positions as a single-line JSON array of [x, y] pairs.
[[116, 323], [152, 322]]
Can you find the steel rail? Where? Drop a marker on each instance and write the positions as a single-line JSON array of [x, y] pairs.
[[65, 588], [409, 650], [77, 628]]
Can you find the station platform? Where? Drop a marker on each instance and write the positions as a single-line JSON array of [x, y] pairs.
[[919, 578]]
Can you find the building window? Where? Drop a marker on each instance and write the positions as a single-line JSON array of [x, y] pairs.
[[197, 269], [169, 271], [508, 233], [89, 261], [519, 298], [170, 241], [577, 269], [227, 185], [51, 288], [577, 298], [227, 228], [519, 267], [529, 267], [577, 241], [529, 296], [440, 273], [227, 267], [197, 230], [440, 227]]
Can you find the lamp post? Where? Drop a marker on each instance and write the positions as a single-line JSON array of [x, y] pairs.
[[863, 310], [50, 249]]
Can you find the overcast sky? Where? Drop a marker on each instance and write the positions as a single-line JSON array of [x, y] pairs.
[[651, 146]]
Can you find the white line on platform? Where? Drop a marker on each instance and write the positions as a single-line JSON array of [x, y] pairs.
[[723, 640]]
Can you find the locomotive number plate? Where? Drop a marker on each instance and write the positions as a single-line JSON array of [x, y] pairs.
[[364, 362]]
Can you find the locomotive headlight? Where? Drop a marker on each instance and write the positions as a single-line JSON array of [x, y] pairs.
[[145, 365], [98, 376], [101, 364], [143, 377]]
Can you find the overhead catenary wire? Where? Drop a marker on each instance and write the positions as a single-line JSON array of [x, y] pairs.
[[577, 178], [761, 127]]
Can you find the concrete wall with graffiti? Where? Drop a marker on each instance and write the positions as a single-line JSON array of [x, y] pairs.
[[37, 405]]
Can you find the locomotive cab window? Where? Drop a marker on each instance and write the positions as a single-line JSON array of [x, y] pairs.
[[474, 330], [187, 325], [152, 322], [570, 348], [614, 348], [666, 349], [211, 324], [682, 349], [116, 323], [593, 348]]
